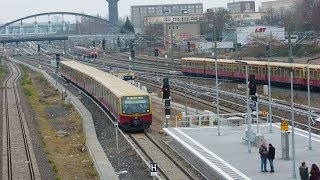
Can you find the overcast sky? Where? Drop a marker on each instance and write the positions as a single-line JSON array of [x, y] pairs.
[[14, 9]]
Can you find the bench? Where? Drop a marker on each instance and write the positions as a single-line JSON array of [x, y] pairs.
[[252, 137], [235, 121]]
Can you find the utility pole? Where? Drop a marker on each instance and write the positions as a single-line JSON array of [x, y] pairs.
[[172, 59], [217, 85], [269, 85], [290, 60]]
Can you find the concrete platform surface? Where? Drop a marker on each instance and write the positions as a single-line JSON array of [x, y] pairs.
[[228, 154]]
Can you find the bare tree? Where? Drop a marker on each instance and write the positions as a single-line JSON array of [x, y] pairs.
[[217, 19]]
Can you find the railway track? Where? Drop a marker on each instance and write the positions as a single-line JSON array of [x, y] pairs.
[[18, 159], [232, 104], [227, 99], [167, 165]]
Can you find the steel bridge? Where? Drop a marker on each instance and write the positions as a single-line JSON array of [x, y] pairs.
[[88, 26]]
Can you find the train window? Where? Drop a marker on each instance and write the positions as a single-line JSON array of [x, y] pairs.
[[200, 65], [275, 71], [297, 73], [262, 70], [211, 66], [220, 67], [253, 70], [117, 106], [207, 66], [135, 104], [318, 75], [228, 68], [243, 69], [189, 64], [312, 74], [183, 63], [235, 68]]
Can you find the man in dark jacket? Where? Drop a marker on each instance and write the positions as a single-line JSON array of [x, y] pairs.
[[263, 151], [303, 169], [271, 156]]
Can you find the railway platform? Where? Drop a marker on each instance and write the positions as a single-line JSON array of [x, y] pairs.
[[228, 154]]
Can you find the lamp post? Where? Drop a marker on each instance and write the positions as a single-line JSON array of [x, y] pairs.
[[214, 55], [292, 123], [248, 106], [171, 48], [269, 90], [309, 111]]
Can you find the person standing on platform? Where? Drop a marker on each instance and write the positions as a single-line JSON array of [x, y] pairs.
[[263, 151], [314, 172], [304, 173], [271, 155]]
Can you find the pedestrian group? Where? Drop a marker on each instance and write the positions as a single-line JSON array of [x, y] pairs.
[[269, 154], [314, 172]]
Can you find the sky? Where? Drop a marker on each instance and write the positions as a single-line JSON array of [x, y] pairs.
[[14, 9]]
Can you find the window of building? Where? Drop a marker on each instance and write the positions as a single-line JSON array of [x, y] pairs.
[[247, 6], [177, 27]]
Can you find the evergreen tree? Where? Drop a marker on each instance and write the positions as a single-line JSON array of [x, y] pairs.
[[127, 26]]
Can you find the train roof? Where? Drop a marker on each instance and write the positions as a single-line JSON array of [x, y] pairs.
[[116, 85], [260, 63]]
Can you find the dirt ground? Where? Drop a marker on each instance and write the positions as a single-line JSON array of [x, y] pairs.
[[60, 128]]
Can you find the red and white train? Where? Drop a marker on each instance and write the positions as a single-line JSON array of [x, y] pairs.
[[279, 71], [129, 105], [85, 52]]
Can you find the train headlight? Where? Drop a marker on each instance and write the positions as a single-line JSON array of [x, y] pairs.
[[148, 110], [123, 112]]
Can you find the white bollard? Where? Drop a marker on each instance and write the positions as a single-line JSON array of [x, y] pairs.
[[265, 90]]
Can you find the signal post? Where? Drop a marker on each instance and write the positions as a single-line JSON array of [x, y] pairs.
[[166, 97]]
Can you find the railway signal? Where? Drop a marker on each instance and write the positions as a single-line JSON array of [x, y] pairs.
[[58, 60], [156, 52], [167, 103], [94, 44], [166, 96], [39, 48], [189, 46], [253, 88], [103, 44], [166, 88], [132, 54], [118, 41]]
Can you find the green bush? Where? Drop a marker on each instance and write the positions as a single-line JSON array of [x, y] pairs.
[[27, 92]]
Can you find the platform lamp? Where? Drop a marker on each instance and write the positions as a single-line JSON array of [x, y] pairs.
[[214, 55], [292, 122], [269, 88], [248, 106], [309, 111]]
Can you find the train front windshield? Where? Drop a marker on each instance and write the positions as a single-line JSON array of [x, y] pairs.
[[135, 104]]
